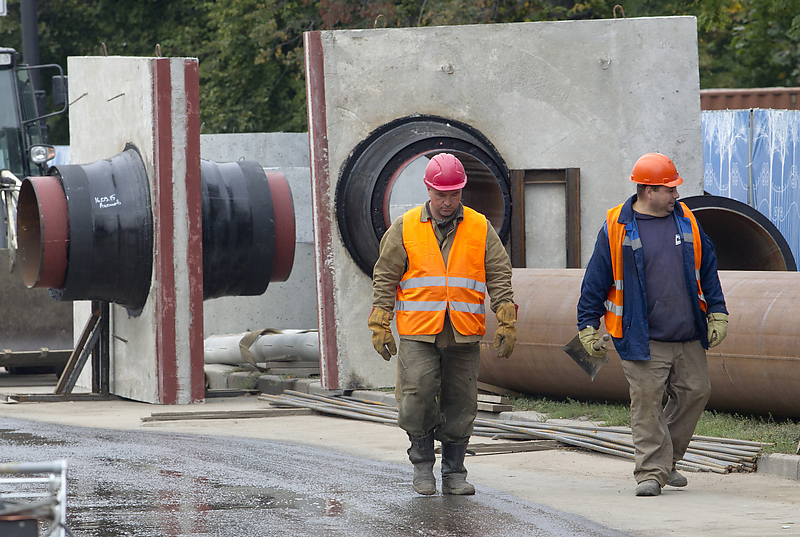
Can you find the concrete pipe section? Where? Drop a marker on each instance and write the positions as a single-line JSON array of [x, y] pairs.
[[86, 231], [755, 370], [382, 179]]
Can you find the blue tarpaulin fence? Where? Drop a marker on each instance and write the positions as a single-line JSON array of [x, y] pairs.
[[753, 156]]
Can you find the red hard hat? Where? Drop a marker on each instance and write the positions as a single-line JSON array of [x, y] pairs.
[[445, 172], [655, 169]]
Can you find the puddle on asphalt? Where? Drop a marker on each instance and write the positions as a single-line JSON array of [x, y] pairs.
[[14, 436], [165, 508]]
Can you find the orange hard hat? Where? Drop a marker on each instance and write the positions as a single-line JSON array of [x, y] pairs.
[[655, 169], [445, 172]]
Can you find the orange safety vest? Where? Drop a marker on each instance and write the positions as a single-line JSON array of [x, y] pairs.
[[429, 288], [617, 238]]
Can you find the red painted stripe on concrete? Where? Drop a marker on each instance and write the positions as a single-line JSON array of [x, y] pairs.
[[318, 136], [166, 356], [194, 250]]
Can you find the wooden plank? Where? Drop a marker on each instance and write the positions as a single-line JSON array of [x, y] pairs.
[[229, 392], [494, 407], [484, 387], [227, 414], [487, 398], [55, 398]]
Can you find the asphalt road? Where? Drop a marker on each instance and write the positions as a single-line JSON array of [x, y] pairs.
[[143, 483]]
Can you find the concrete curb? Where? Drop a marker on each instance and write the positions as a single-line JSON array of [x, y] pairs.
[[779, 464]]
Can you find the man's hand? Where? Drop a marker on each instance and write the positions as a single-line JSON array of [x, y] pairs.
[[506, 336], [382, 338], [717, 328], [592, 342]]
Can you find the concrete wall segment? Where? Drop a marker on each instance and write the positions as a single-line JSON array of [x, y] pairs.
[[271, 149], [152, 103], [105, 91], [589, 94]]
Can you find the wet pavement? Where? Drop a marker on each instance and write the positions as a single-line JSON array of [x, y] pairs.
[[141, 483]]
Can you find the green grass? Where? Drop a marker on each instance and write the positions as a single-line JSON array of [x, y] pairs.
[[783, 433]]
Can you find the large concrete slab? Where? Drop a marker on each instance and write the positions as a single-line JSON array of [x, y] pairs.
[[589, 94], [153, 103]]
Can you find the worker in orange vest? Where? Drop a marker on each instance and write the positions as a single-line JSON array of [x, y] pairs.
[[437, 261], [653, 279]]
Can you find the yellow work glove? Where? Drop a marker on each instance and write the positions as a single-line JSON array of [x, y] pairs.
[[382, 338], [589, 338], [506, 336], [717, 328]]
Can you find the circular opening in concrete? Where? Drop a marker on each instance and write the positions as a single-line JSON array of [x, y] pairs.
[[383, 178], [406, 189]]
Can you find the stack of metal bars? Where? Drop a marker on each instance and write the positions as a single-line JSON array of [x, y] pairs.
[[705, 454]]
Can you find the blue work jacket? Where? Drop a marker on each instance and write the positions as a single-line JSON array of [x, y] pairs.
[[598, 279]]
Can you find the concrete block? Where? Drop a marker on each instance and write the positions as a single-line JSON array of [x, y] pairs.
[[368, 395], [389, 400], [243, 380], [217, 375], [315, 388], [780, 464], [304, 385], [271, 384], [375, 396]]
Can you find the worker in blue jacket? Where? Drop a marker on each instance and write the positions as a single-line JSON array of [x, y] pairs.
[[653, 280]]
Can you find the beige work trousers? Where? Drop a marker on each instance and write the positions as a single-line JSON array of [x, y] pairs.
[[662, 434], [437, 389]]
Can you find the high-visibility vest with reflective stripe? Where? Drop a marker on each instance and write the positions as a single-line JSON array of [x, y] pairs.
[[617, 238], [429, 287]]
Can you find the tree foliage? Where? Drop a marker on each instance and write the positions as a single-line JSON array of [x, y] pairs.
[[251, 51]]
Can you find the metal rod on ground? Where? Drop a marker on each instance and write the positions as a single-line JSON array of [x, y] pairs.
[[327, 409], [334, 403]]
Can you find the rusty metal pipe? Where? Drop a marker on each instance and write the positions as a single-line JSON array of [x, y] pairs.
[[755, 370]]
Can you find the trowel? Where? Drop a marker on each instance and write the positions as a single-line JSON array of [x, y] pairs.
[[586, 361]]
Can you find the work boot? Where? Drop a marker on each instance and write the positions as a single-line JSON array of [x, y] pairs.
[[454, 475], [422, 457], [649, 487], [677, 479]]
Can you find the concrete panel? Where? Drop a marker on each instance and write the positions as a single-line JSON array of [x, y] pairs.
[[270, 149], [153, 104], [589, 94], [289, 304]]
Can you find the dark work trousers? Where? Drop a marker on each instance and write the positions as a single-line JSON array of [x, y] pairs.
[[661, 435], [437, 389]]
